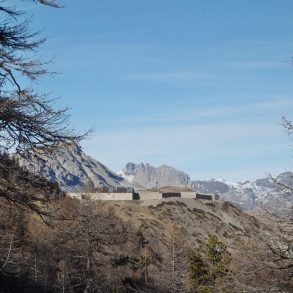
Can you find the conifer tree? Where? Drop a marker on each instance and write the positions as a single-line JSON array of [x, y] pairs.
[[209, 272]]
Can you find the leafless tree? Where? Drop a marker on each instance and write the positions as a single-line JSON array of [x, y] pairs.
[[22, 189], [52, 3], [29, 122], [269, 266], [175, 266], [90, 238], [282, 248], [11, 239], [28, 119]]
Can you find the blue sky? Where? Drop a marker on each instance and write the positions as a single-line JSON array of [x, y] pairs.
[[200, 85]]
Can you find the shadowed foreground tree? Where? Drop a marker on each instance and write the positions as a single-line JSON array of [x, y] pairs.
[[77, 254], [28, 119], [23, 189], [91, 238]]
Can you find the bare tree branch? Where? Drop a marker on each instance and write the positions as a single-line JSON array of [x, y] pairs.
[[28, 119]]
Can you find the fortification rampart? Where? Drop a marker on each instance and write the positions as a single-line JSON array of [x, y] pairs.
[[149, 195], [188, 194], [111, 196], [103, 196], [142, 195]]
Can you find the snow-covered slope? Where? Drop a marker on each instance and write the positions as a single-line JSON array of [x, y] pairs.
[[74, 170], [265, 193]]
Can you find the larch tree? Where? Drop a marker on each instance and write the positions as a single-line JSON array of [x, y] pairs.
[[28, 119], [281, 247], [209, 272], [272, 263]]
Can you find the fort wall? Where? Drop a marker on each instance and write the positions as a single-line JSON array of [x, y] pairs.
[[102, 196], [188, 194], [112, 196], [150, 195], [141, 195]]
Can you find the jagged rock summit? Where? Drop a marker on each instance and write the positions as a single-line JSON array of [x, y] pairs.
[[73, 170], [150, 177]]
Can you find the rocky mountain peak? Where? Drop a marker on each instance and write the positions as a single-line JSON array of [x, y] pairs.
[[73, 170], [129, 169], [148, 176]]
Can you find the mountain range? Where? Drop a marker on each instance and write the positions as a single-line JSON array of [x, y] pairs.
[[76, 172], [248, 195]]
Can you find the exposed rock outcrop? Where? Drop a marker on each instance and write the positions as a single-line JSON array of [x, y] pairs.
[[74, 170], [151, 177]]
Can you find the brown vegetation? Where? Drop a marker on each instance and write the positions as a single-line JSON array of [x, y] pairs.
[[22, 189], [97, 246]]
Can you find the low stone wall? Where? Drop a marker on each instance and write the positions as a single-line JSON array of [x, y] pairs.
[[141, 195], [149, 195], [110, 196], [102, 196], [188, 194]]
